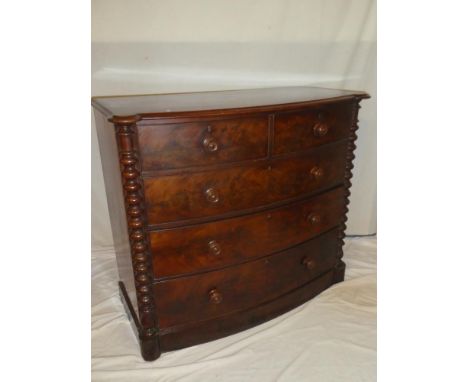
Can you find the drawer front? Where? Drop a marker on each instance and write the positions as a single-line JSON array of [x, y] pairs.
[[208, 193], [296, 131], [216, 293], [214, 245], [202, 143]]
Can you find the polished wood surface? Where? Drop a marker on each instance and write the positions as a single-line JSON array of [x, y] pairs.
[[227, 242], [197, 332], [185, 196], [227, 208], [203, 143], [296, 131], [115, 200], [170, 104], [207, 295]]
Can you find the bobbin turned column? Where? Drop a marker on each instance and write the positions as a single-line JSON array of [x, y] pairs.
[[340, 266], [125, 128]]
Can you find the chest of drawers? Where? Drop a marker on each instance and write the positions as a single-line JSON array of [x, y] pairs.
[[227, 208]]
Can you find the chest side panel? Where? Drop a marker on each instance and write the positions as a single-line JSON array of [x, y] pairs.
[[115, 201]]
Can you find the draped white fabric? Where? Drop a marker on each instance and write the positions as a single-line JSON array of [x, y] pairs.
[[161, 46], [330, 338]]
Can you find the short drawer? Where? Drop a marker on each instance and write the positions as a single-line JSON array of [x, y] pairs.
[[303, 130], [202, 143], [227, 242], [187, 196], [213, 294]]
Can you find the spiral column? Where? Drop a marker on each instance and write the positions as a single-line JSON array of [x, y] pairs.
[[139, 243], [340, 265]]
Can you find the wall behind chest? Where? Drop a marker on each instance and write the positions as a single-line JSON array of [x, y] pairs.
[[159, 46]]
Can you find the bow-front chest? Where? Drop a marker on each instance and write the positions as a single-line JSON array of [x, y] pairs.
[[227, 208]]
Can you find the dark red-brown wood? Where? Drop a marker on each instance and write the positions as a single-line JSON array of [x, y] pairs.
[[192, 195], [197, 332], [218, 244], [219, 102], [227, 208], [296, 131], [203, 143], [212, 294]]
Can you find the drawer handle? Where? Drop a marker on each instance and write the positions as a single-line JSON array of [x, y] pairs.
[[215, 248], [215, 296], [308, 263], [212, 195], [209, 143], [320, 130], [314, 218], [317, 172]]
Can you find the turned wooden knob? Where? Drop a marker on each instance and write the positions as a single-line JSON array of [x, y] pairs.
[[320, 129], [317, 172], [212, 195], [210, 144], [215, 296], [314, 218], [214, 247], [308, 263]]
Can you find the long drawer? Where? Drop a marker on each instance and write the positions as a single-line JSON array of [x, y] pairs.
[[222, 243], [186, 196], [213, 294]]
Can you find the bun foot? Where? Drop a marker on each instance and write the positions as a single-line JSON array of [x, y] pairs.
[[150, 348], [338, 275]]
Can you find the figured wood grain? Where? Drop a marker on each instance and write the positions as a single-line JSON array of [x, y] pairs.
[[187, 299], [296, 131], [224, 184], [196, 332], [186, 196], [186, 144], [189, 249]]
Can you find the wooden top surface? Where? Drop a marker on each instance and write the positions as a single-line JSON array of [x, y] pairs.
[[167, 104]]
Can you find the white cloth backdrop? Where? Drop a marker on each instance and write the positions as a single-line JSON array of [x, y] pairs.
[[161, 46]]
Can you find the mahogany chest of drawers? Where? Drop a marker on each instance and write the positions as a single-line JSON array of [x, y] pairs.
[[227, 208]]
